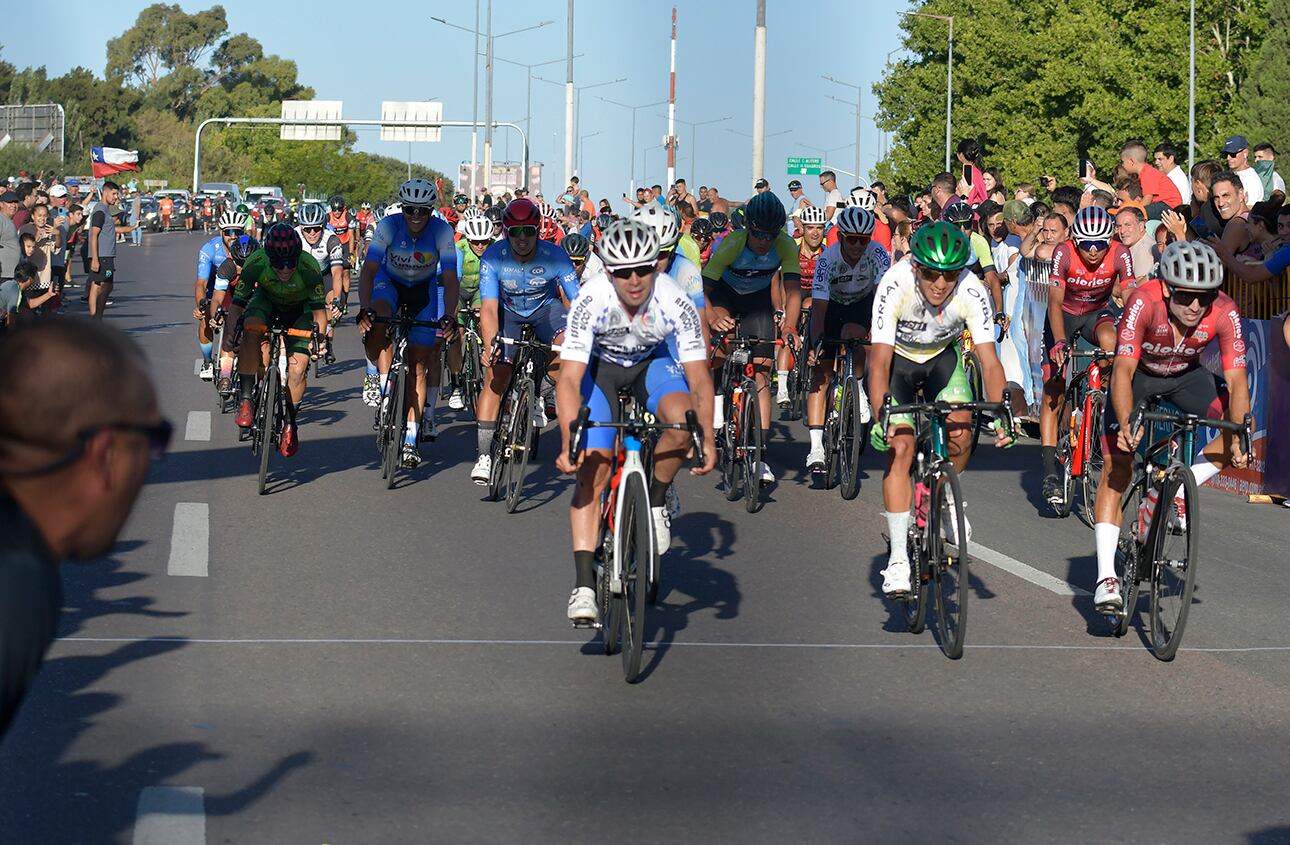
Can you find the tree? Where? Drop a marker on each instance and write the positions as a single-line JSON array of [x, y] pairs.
[[162, 40], [97, 112], [1265, 98]]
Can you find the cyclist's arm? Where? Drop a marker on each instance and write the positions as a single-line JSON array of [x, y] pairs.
[[1122, 372], [371, 263], [1056, 295], [790, 281], [568, 396], [995, 285], [879, 365], [448, 267], [489, 305], [338, 272]]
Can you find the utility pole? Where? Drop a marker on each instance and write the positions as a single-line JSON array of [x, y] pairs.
[[1191, 90], [568, 104], [859, 100], [474, 117], [759, 93], [488, 101], [633, 110], [671, 110]]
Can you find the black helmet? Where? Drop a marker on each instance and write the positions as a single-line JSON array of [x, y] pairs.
[[337, 203], [720, 220], [959, 213], [576, 245], [701, 228], [282, 245], [494, 213], [603, 220], [241, 248], [765, 212]]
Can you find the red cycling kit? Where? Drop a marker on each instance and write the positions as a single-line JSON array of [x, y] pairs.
[[808, 260], [1086, 293]]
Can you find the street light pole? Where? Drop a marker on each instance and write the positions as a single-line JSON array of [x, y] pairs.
[[528, 94], [949, 81], [580, 140], [633, 110], [694, 147], [568, 103], [474, 111], [577, 120], [859, 106], [1191, 89]]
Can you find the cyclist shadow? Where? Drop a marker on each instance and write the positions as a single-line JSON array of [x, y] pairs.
[[895, 619]]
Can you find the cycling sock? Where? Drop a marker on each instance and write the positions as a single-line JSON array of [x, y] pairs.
[[898, 528], [410, 433], [1049, 454], [658, 492], [484, 435], [1202, 471], [246, 386], [225, 367], [206, 351], [371, 367], [385, 379], [585, 563], [1105, 538], [292, 410], [783, 380], [817, 436]]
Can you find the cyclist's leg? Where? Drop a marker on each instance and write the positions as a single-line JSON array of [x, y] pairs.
[[1050, 406], [422, 346], [593, 476], [255, 320], [817, 401], [667, 396], [1117, 473], [897, 492], [952, 386], [376, 345], [757, 314]]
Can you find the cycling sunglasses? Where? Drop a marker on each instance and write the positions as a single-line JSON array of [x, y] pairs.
[[854, 238], [234, 233], [639, 270], [577, 262], [1185, 298], [479, 243], [931, 274], [416, 211], [1093, 245], [762, 234], [522, 231], [284, 263], [311, 230]]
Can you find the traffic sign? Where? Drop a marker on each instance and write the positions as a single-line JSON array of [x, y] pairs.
[[804, 166]]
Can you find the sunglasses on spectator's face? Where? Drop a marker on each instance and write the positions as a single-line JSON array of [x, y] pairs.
[[1185, 298], [522, 231], [416, 211], [1093, 246], [158, 436], [1235, 154], [627, 272], [762, 234]]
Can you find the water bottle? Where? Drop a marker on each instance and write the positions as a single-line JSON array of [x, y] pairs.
[[920, 504]]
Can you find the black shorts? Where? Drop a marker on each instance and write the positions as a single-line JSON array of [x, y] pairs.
[[1197, 391], [107, 266], [1077, 326], [755, 310], [837, 315]]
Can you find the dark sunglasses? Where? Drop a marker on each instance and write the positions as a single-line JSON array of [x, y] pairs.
[[1185, 298], [522, 231], [577, 262], [416, 211], [855, 239], [234, 233], [931, 274], [762, 234], [1235, 154], [284, 263], [1093, 245], [481, 243], [158, 442], [311, 230], [639, 270]]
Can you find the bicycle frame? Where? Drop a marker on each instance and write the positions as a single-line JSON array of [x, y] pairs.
[[1082, 387]]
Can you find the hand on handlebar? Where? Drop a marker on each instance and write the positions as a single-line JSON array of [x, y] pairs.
[[364, 320], [1058, 353], [722, 325]]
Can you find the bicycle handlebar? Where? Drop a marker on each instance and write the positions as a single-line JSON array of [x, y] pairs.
[[527, 344], [406, 321], [1242, 429], [942, 409], [582, 422]]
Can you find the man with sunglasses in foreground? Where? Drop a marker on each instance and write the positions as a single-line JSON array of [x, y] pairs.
[[76, 435], [209, 259], [326, 249], [920, 310], [1088, 271], [521, 282], [631, 327], [1167, 323], [411, 261]]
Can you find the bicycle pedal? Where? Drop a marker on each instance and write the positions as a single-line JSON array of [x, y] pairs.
[[586, 623]]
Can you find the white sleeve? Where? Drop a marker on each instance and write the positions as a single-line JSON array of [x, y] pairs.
[[689, 334], [580, 329], [977, 310], [886, 303]]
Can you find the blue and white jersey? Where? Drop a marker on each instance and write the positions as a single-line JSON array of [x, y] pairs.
[[410, 261], [688, 275], [525, 287], [599, 325], [209, 258]]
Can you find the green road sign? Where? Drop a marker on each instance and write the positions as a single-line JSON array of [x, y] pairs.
[[804, 166]]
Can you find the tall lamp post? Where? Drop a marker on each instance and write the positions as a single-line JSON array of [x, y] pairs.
[[694, 149], [859, 104], [581, 139], [577, 110], [949, 81], [633, 110]]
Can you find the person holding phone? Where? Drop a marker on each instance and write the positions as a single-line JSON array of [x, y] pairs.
[[972, 185]]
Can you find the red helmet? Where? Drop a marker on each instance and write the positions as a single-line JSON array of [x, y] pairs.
[[521, 212], [282, 245], [450, 214], [550, 230]]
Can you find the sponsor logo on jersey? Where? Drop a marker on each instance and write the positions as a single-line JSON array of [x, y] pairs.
[[1125, 349], [1201, 335], [538, 270]]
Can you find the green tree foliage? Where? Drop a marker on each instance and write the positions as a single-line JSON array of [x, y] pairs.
[[1265, 100], [1040, 91]]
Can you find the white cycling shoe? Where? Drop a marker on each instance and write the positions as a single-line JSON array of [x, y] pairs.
[[582, 606], [662, 528], [1107, 598], [456, 402], [482, 469], [895, 578], [764, 473], [815, 459]]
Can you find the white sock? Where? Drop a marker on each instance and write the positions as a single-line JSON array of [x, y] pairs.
[[783, 380], [817, 438], [898, 528], [1105, 537], [385, 379], [410, 433], [1202, 471]]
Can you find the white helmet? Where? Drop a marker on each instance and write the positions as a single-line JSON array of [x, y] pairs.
[[233, 220], [392, 208], [861, 197], [628, 243], [811, 215], [312, 214], [662, 221], [854, 220], [1191, 265], [418, 192], [476, 227], [546, 210], [472, 211]]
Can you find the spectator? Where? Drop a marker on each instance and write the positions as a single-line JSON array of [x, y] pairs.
[[1128, 191], [1267, 152], [970, 186], [46, 241], [1166, 157], [73, 230], [1025, 192], [656, 194], [926, 208], [585, 204], [58, 201], [1156, 186], [1066, 201], [76, 434], [1258, 272], [705, 204], [26, 200], [10, 253], [1237, 150], [681, 198], [136, 218], [832, 196], [165, 208], [19, 296], [761, 186], [100, 249], [1230, 202], [1265, 231], [1131, 230], [1204, 218], [942, 191], [716, 202], [800, 199]]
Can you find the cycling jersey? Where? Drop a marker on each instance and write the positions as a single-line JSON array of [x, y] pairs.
[[984, 256], [837, 281], [747, 272], [599, 324], [328, 252], [688, 275], [467, 273], [689, 247], [807, 259], [1089, 288], [523, 287], [304, 288], [1147, 335], [409, 261], [209, 258], [903, 319], [340, 223], [227, 274]]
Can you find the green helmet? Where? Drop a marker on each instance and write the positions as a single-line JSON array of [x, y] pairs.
[[940, 246]]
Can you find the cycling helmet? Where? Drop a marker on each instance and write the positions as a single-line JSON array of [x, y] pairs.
[[460, 198], [521, 212], [241, 248], [476, 228], [854, 220], [282, 245], [940, 246], [701, 228], [719, 220], [546, 210], [812, 215], [576, 245], [628, 243], [233, 220], [242, 208], [337, 203], [549, 230], [392, 208], [494, 213], [737, 218], [1191, 265], [471, 211], [662, 220], [861, 197], [959, 213], [603, 221], [451, 215], [418, 192], [765, 212], [1092, 224], [367, 206], [312, 214]]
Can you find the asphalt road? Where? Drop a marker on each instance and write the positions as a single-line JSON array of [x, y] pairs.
[[364, 666]]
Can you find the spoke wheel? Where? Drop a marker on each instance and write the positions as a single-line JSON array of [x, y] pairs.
[[518, 443], [497, 450], [752, 451], [972, 369], [854, 433], [731, 464], [394, 424], [1128, 561], [914, 607], [637, 550], [268, 413], [948, 564], [1093, 458], [832, 422], [610, 604], [1174, 552], [1064, 458]]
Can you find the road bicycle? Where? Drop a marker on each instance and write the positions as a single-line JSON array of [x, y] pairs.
[[799, 374], [392, 410], [226, 398], [515, 439], [628, 566], [847, 417], [937, 539], [333, 320], [1080, 428], [469, 380], [270, 397], [1162, 544], [739, 443]]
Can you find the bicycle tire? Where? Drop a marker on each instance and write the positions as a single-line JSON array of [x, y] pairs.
[[832, 422], [497, 449], [731, 463], [1173, 578], [914, 606], [519, 438], [635, 543], [395, 425], [1064, 459], [972, 369], [610, 630], [1128, 560], [268, 419], [1094, 460], [752, 452], [949, 573], [854, 433]]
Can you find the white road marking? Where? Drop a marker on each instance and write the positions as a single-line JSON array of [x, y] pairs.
[[197, 366], [190, 540], [171, 815], [198, 426], [1025, 571]]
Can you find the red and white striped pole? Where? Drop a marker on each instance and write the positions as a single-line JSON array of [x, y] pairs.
[[671, 111]]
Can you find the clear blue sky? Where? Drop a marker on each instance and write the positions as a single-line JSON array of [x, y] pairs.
[[385, 58]]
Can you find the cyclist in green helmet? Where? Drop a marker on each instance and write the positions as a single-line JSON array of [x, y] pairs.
[[922, 307]]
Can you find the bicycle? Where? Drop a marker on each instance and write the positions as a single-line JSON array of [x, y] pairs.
[[938, 504], [270, 398], [799, 374], [515, 439], [628, 571], [1079, 431], [469, 380], [1146, 548], [392, 410], [739, 443], [333, 320], [847, 418], [224, 399]]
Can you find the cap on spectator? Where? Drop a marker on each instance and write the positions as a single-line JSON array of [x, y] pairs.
[[58, 191], [9, 196], [1235, 144], [1014, 210], [73, 183], [761, 183], [795, 185]]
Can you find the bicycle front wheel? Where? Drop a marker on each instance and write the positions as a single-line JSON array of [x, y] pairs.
[[268, 421], [731, 462], [1093, 459], [518, 439], [1065, 456], [395, 424], [1128, 560], [947, 561], [972, 369], [750, 435], [914, 607], [1174, 550], [853, 434], [635, 549]]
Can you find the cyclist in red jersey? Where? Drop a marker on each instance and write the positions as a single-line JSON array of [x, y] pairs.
[[1165, 326], [1087, 272], [809, 247]]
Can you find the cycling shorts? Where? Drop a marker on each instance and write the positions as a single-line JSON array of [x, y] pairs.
[[1197, 391], [423, 300], [838, 315], [260, 312], [1077, 326], [940, 379], [547, 322], [755, 310], [649, 381]]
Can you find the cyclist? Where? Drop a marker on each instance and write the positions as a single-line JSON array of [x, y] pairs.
[[584, 261], [326, 249], [460, 204], [1166, 325], [683, 271], [962, 215], [341, 221], [412, 261], [1087, 272], [844, 281], [476, 237], [622, 329], [226, 277], [521, 281], [753, 273], [921, 308], [278, 281], [809, 248], [494, 214], [209, 258], [701, 232]]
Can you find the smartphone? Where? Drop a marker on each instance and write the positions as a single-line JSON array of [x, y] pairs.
[[967, 173], [1084, 167]]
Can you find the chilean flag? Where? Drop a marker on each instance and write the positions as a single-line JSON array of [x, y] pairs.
[[109, 160]]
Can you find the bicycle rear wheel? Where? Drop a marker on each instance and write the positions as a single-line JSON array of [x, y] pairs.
[[1128, 560], [1174, 551], [853, 434], [731, 463], [972, 369], [268, 419], [751, 447], [1093, 459], [395, 424], [1064, 457], [519, 437], [948, 570], [635, 547], [832, 424], [914, 607]]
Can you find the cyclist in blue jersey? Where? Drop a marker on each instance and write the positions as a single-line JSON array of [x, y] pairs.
[[412, 262], [209, 258], [521, 281]]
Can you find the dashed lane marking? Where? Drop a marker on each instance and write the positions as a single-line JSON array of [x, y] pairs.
[[190, 540], [1025, 571], [171, 815], [198, 426]]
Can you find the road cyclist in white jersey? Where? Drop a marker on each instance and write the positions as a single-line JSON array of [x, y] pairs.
[[328, 251], [618, 336], [921, 308]]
